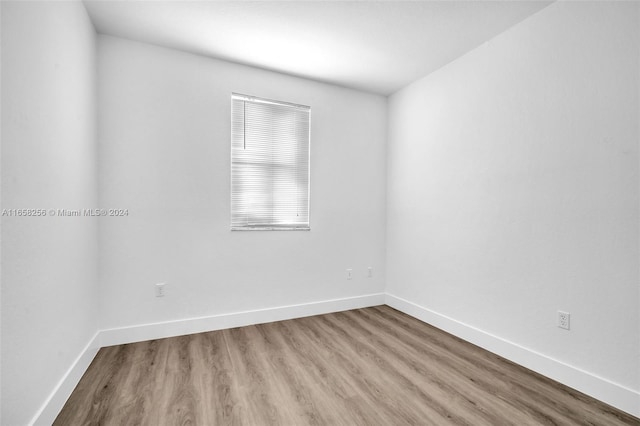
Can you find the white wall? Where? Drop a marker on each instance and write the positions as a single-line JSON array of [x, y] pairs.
[[513, 188], [165, 155], [49, 264]]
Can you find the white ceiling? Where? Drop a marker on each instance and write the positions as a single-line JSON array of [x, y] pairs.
[[376, 46]]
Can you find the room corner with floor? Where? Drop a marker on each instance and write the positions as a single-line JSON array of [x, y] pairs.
[[456, 212]]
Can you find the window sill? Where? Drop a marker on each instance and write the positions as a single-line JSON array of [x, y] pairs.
[[270, 228]]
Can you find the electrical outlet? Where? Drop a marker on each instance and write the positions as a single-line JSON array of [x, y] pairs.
[[160, 289], [370, 272], [564, 320], [349, 273]]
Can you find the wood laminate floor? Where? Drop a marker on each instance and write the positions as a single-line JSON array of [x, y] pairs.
[[373, 366]]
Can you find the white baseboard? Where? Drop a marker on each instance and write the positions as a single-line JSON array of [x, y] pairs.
[[139, 333], [51, 408], [618, 396]]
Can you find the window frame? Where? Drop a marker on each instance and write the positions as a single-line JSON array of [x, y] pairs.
[[306, 226]]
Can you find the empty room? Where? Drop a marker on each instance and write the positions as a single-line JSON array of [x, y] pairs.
[[320, 213]]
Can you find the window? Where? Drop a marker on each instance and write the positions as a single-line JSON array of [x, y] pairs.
[[269, 164]]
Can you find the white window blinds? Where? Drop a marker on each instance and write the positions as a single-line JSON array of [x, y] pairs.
[[269, 164]]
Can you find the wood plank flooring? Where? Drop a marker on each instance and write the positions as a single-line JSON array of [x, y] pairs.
[[373, 366]]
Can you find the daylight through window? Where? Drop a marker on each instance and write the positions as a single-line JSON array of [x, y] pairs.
[[269, 164]]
